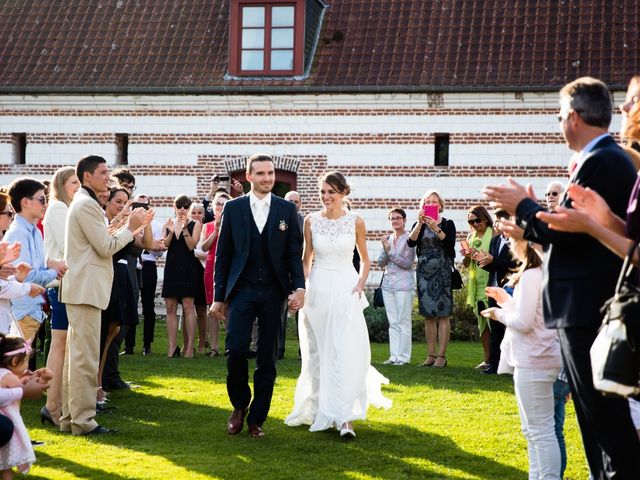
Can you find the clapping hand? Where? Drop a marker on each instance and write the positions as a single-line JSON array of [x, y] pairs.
[[490, 313], [147, 219], [507, 197], [22, 270], [589, 209], [483, 258], [36, 290], [511, 229], [385, 243], [11, 252], [498, 294], [168, 225]]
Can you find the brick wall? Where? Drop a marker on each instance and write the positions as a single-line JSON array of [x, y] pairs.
[[384, 144]]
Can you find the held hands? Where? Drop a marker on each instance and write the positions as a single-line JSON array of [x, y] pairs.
[[296, 300], [219, 310]]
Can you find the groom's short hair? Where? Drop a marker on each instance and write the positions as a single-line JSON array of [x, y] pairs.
[[258, 157]]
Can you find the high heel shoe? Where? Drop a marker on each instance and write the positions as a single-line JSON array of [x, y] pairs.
[[45, 416], [346, 431], [176, 352]]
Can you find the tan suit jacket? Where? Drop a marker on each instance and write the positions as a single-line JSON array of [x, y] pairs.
[[88, 252]]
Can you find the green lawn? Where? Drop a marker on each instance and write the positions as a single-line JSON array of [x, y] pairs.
[[445, 423]]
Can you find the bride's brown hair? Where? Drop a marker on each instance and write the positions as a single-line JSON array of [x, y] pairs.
[[337, 181]]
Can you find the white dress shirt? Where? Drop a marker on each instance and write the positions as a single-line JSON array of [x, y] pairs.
[[260, 209]]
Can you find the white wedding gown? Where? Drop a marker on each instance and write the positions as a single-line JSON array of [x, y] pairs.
[[337, 382]]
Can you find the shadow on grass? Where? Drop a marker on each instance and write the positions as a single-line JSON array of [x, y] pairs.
[[194, 437], [82, 471]]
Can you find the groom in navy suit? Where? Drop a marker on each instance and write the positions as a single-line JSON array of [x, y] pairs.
[[258, 266]]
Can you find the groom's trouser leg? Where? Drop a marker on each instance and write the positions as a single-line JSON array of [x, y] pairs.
[[264, 377], [241, 315]]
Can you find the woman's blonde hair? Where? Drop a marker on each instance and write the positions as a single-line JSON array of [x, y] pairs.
[[60, 177], [438, 196]]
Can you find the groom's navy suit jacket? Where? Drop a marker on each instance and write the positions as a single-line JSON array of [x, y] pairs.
[[284, 240]]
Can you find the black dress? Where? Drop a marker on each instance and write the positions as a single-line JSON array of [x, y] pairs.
[[181, 275]]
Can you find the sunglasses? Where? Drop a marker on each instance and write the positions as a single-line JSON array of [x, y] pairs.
[[182, 207], [552, 194], [8, 213], [42, 199], [477, 221]]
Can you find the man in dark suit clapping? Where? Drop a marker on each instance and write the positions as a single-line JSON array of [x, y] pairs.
[[580, 273], [258, 265]]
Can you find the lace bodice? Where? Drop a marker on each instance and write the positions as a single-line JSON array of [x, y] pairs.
[[333, 241]]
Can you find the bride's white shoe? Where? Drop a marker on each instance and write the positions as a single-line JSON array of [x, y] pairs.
[[346, 431]]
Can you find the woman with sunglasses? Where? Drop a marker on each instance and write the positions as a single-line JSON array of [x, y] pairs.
[[181, 237], [478, 242]]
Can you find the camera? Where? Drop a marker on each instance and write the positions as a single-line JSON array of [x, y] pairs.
[[220, 178]]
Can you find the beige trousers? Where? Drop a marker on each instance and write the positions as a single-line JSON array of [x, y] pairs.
[[29, 327], [80, 371]]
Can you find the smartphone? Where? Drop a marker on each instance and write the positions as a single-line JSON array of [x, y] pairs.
[[135, 205], [464, 244], [430, 211]]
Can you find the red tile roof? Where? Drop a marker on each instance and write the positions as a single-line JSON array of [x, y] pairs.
[[181, 45]]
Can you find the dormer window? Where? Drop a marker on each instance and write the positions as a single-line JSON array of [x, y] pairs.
[[266, 37]]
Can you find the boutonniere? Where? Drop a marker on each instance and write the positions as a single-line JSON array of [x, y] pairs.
[[282, 226]]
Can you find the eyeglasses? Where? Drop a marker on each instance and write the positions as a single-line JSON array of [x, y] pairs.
[[42, 199], [8, 213], [552, 194], [128, 186], [396, 218], [477, 221], [561, 118]]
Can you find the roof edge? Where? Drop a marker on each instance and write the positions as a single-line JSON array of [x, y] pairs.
[[289, 89]]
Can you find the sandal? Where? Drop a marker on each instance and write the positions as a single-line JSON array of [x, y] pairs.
[[428, 361], [440, 363], [214, 353]]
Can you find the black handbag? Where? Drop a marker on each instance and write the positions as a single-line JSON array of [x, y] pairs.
[[378, 299], [456, 279], [615, 356]]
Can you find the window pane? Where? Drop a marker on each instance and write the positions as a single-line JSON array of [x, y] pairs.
[[252, 60], [253, 38], [282, 38], [253, 16], [282, 60], [282, 16]]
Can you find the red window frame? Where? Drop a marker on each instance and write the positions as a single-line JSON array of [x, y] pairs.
[[235, 37]]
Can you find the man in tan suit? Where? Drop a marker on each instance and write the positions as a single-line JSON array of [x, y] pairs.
[[86, 290]]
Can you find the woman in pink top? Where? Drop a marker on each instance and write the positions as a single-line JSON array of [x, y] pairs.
[[532, 353], [209, 243]]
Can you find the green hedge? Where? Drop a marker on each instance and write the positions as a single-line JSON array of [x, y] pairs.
[[464, 325]]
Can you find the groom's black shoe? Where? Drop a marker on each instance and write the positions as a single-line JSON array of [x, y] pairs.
[[256, 431], [236, 421]]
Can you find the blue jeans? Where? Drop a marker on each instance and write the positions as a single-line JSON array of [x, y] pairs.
[[560, 392]]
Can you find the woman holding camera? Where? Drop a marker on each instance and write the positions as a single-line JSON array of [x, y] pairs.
[[435, 238]]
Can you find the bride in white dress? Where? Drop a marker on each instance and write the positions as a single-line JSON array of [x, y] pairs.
[[337, 382]]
